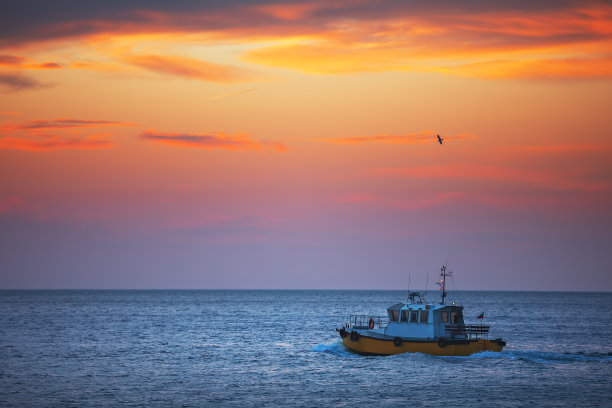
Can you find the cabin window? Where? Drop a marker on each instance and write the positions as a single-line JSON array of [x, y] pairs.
[[393, 315], [444, 317], [404, 316], [454, 317], [424, 316], [413, 316]]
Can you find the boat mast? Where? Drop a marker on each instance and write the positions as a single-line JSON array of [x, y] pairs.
[[442, 282]]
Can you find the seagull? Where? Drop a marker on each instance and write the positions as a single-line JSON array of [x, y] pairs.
[[440, 139]]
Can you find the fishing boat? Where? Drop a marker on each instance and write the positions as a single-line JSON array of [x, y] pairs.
[[418, 326]]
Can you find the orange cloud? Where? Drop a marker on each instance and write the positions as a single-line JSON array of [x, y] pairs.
[[28, 136], [53, 142], [483, 39], [65, 124], [294, 11], [411, 138], [47, 65], [190, 68], [11, 60], [328, 56], [17, 61], [565, 43], [216, 140]]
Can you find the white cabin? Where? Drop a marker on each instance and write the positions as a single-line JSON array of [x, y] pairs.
[[418, 320]]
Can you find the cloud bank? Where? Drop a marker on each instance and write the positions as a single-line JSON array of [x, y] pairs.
[[477, 38], [216, 140]]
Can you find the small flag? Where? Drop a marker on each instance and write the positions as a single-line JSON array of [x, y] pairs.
[[481, 316]]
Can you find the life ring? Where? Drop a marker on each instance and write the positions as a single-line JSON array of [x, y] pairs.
[[354, 336], [397, 342], [442, 343], [371, 323]]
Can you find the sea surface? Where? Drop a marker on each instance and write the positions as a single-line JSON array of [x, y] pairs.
[[280, 348]]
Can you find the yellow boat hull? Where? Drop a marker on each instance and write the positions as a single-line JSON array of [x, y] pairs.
[[370, 345]]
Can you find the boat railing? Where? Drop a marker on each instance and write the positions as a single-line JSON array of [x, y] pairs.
[[472, 331], [363, 321]]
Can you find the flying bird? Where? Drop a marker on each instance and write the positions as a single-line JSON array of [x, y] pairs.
[[440, 139]]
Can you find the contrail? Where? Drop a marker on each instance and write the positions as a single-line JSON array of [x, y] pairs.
[[231, 94]]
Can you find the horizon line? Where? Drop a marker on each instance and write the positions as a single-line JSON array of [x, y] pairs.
[[297, 290]]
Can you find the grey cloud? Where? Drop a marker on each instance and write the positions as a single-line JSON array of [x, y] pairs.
[[24, 21], [18, 82]]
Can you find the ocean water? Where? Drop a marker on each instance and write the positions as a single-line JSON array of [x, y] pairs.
[[280, 348]]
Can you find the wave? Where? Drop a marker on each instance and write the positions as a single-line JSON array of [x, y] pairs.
[[531, 356], [335, 348], [542, 357]]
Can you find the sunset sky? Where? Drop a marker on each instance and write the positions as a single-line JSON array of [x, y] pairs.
[[292, 144]]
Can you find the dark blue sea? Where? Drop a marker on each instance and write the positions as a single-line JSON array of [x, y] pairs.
[[280, 348]]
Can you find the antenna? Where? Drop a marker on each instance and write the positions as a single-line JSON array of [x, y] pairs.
[[426, 282], [442, 283], [408, 299]]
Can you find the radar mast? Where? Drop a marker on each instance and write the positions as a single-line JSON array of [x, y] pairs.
[[442, 283]]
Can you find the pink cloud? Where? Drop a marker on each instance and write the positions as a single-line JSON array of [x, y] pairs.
[[63, 123], [48, 65], [53, 142], [11, 60], [215, 140], [190, 68]]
